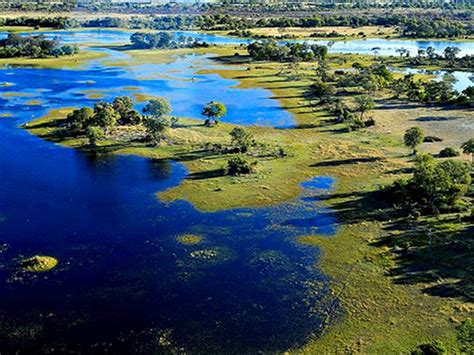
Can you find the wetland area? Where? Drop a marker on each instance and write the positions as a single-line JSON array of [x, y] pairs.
[[159, 252]]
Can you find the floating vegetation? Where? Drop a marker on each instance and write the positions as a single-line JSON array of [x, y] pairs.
[[38, 263], [33, 102], [18, 94], [6, 84], [204, 254], [131, 88], [189, 239], [5, 115], [270, 261]]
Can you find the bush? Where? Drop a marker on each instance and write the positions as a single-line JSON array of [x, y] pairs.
[[240, 166], [433, 187], [436, 348], [370, 122], [448, 152], [355, 125]]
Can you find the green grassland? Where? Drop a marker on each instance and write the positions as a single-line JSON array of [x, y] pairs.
[[387, 307]]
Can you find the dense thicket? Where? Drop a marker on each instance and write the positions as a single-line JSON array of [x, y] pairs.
[[33, 47]]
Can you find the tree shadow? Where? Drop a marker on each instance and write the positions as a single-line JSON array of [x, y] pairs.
[[432, 254], [348, 161], [437, 254], [208, 174], [434, 119]]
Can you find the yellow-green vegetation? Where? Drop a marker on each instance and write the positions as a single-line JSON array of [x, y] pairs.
[[387, 309], [189, 239], [17, 94], [22, 29], [38, 263], [73, 61], [33, 102], [6, 84], [143, 97], [5, 115], [344, 31]]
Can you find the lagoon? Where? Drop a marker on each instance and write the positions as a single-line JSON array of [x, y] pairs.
[[124, 280]]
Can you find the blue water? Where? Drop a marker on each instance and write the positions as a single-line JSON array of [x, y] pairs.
[[124, 284], [359, 46], [177, 81], [380, 46]]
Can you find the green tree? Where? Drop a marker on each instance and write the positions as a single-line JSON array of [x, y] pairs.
[[81, 118], [450, 54], [105, 115], [94, 134], [157, 108], [214, 111], [156, 128], [438, 185], [124, 106], [239, 165], [321, 90], [364, 104], [241, 139], [413, 137], [468, 148]]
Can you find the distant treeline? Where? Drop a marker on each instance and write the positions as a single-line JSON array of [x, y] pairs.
[[38, 22], [164, 40], [408, 26], [289, 52], [33, 47]]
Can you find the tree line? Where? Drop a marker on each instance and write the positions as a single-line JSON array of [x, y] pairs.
[[164, 40], [287, 52], [408, 26], [33, 47]]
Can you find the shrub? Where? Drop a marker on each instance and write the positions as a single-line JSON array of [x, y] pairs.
[[241, 139], [436, 348], [369, 122], [240, 166], [448, 152], [434, 186]]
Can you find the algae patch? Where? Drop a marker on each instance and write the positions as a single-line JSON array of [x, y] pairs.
[[38, 263]]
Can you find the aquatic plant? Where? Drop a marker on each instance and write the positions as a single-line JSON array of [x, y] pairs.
[[189, 239], [38, 263]]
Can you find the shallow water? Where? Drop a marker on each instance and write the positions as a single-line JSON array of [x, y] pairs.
[[371, 46], [124, 283], [358, 46]]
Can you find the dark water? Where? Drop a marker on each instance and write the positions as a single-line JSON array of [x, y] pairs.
[[124, 283]]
